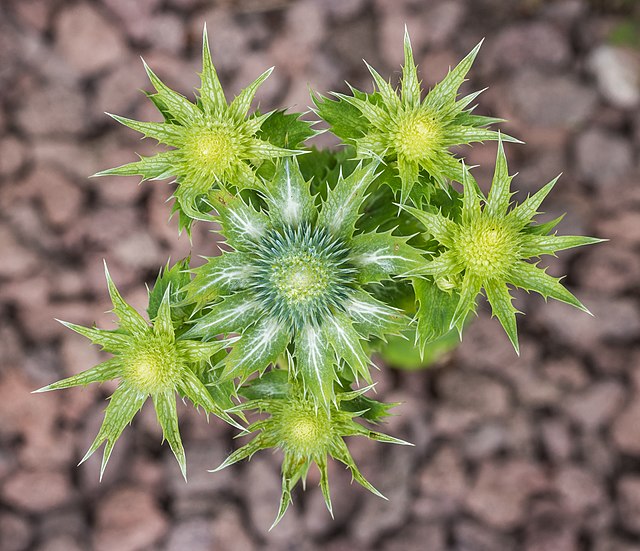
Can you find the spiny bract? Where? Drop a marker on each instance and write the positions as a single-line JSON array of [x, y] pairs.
[[306, 434], [148, 361], [298, 274], [487, 249], [214, 144], [407, 132]]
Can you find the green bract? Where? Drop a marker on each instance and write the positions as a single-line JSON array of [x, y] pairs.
[[487, 249], [148, 361], [321, 266], [306, 434], [410, 133], [214, 144], [298, 274]]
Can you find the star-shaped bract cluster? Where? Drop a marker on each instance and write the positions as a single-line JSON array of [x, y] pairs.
[[488, 249], [411, 134], [148, 361], [214, 143], [306, 434], [297, 277]]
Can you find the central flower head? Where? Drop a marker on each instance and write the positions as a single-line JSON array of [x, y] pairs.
[[301, 277], [487, 248], [304, 429], [153, 365], [302, 274], [211, 150], [417, 136]]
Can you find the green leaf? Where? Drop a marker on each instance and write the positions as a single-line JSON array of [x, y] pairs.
[[525, 211], [346, 121], [500, 192], [375, 114], [436, 309], [445, 92], [219, 275], [230, 315], [158, 167], [536, 245], [286, 130], [163, 324], [239, 107], [242, 224], [259, 346], [378, 256], [501, 306], [273, 385], [315, 363], [211, 93], [289, 198], [531, 278], [123, 406], [129, 318], [438, 226], [373, 317], [106, 371], [386, 91], [165, 404], [371, 409], [341, 207], [168, 134], [469, 290], [408, 172], [196, 351], [542, 229], [345, 340], [111, 341], [181, 109], [192, 388], [175, 278], [410, 82]]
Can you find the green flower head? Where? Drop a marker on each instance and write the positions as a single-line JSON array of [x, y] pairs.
[[213, 143], [306, 434], [488, 247], [409, 133], [148, 360], [298, 275]]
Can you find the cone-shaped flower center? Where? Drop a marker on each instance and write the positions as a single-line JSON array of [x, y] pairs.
[[302, 274], [487, 248], [211, 150], [153, 365], [301, 277], [305, 429], [417, 136]]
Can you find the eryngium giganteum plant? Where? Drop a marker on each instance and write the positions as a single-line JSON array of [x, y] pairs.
[[328, 254]]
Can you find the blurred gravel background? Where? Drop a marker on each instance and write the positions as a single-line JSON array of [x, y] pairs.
[[536, 453]]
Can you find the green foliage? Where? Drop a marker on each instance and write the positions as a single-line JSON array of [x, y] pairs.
[[330, 257]]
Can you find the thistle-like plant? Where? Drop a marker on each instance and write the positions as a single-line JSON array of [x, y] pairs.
[[487, 249], [320, 265], [306, 433], [407, 132], [298, 274], [148, 360], [214, 143]]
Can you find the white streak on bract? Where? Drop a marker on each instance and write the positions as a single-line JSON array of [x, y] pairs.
[[366, 311], [384, 260], [344, 338], [262, 339], [291, 211], [231, 313], [311, 336], [245, 224], [228, 274]]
